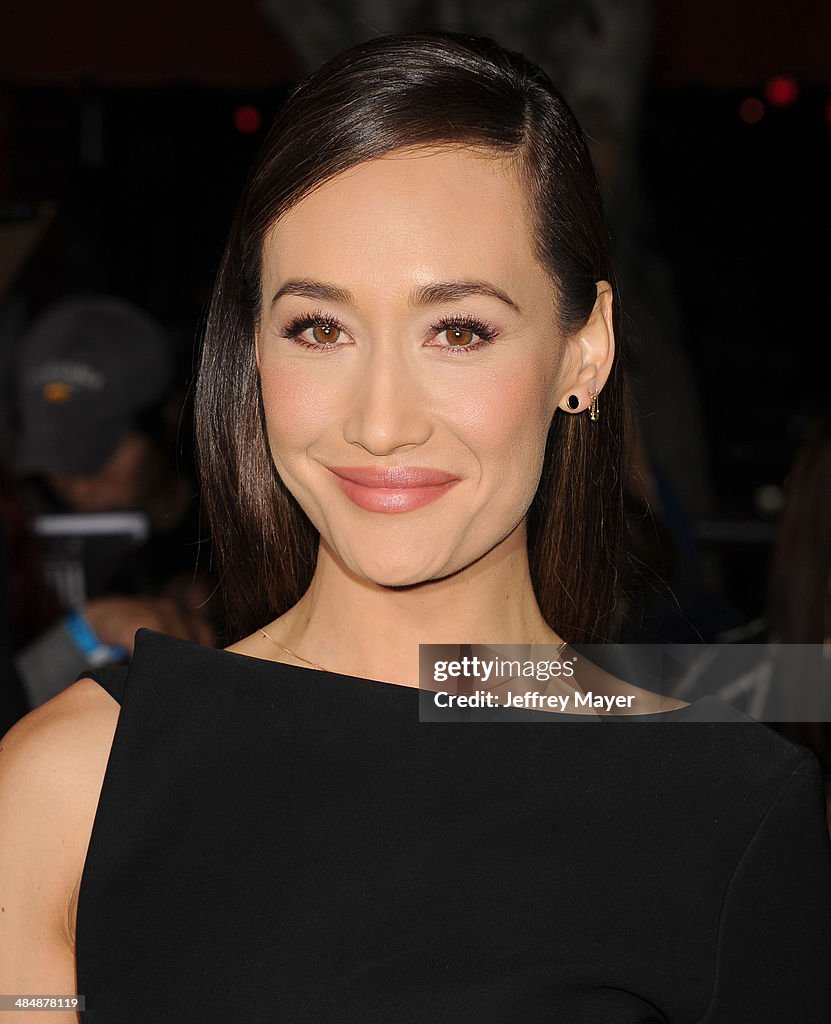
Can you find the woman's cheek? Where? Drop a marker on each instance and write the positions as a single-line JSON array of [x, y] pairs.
[[295, 410], [508, 416]]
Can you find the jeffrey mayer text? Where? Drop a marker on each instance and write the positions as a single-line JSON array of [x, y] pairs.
[[532, 699]]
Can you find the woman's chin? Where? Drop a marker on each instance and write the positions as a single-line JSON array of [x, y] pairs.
[[397, 573]]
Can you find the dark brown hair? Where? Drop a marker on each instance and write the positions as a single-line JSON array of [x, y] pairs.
[[428, 88]]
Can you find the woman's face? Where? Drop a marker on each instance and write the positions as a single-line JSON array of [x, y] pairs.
[[423, 337]]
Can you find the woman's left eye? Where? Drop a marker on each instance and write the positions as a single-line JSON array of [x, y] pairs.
[[460, 335]]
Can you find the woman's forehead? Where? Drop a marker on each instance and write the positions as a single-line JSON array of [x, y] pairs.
[[422, 213]]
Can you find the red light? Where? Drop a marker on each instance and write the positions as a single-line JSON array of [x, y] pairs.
[[781, 91], [247, 119], [751, 110]]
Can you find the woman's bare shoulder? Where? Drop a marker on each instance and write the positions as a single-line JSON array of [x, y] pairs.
[[61, 739], [52, 766]]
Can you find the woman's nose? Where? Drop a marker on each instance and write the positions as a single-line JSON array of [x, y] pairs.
[[387, 406]]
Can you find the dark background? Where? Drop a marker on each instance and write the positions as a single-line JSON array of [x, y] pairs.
[[140, 125]]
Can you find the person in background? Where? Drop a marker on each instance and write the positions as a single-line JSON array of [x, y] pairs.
[[97, 408], [28, 605], [780, 679], [411, 416], [13, 705], [799, 582]]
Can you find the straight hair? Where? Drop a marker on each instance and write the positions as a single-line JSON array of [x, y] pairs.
[[430, 88]]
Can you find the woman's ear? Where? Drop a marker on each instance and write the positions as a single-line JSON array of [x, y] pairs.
[[592, 354]]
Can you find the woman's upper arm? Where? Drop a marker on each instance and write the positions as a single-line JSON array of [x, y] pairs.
[[52, 764], [774, 945]]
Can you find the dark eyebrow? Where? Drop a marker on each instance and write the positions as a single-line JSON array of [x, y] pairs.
[[446, 291], [426, 295], [314, 290]]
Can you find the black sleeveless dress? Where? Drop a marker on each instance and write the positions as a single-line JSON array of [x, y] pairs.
[[279, 844]]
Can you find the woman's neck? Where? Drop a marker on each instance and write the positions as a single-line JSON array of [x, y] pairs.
[[352, 626]]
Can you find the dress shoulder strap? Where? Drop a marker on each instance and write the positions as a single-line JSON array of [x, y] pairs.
[[112, 677]]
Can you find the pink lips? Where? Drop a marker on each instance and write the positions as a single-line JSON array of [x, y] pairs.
[[398, 489]]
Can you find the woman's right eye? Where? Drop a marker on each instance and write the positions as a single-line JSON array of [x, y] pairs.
[[324, 332]]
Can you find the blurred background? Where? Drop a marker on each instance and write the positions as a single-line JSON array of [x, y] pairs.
[[126, 132]]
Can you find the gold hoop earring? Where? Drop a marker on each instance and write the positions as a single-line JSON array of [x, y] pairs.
[[594, 413]]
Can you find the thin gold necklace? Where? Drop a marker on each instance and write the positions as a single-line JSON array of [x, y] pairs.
[[320, 668], [299, 657]]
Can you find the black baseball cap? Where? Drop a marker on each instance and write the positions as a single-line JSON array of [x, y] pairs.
[[85, 368]]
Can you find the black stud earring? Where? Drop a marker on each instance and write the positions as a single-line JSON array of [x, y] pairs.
[[573, 402]]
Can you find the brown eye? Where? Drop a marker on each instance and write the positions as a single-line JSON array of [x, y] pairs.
[[323, 333], [459, 336]]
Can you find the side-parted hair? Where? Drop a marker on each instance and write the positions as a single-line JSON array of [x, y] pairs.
[[428, 88]]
